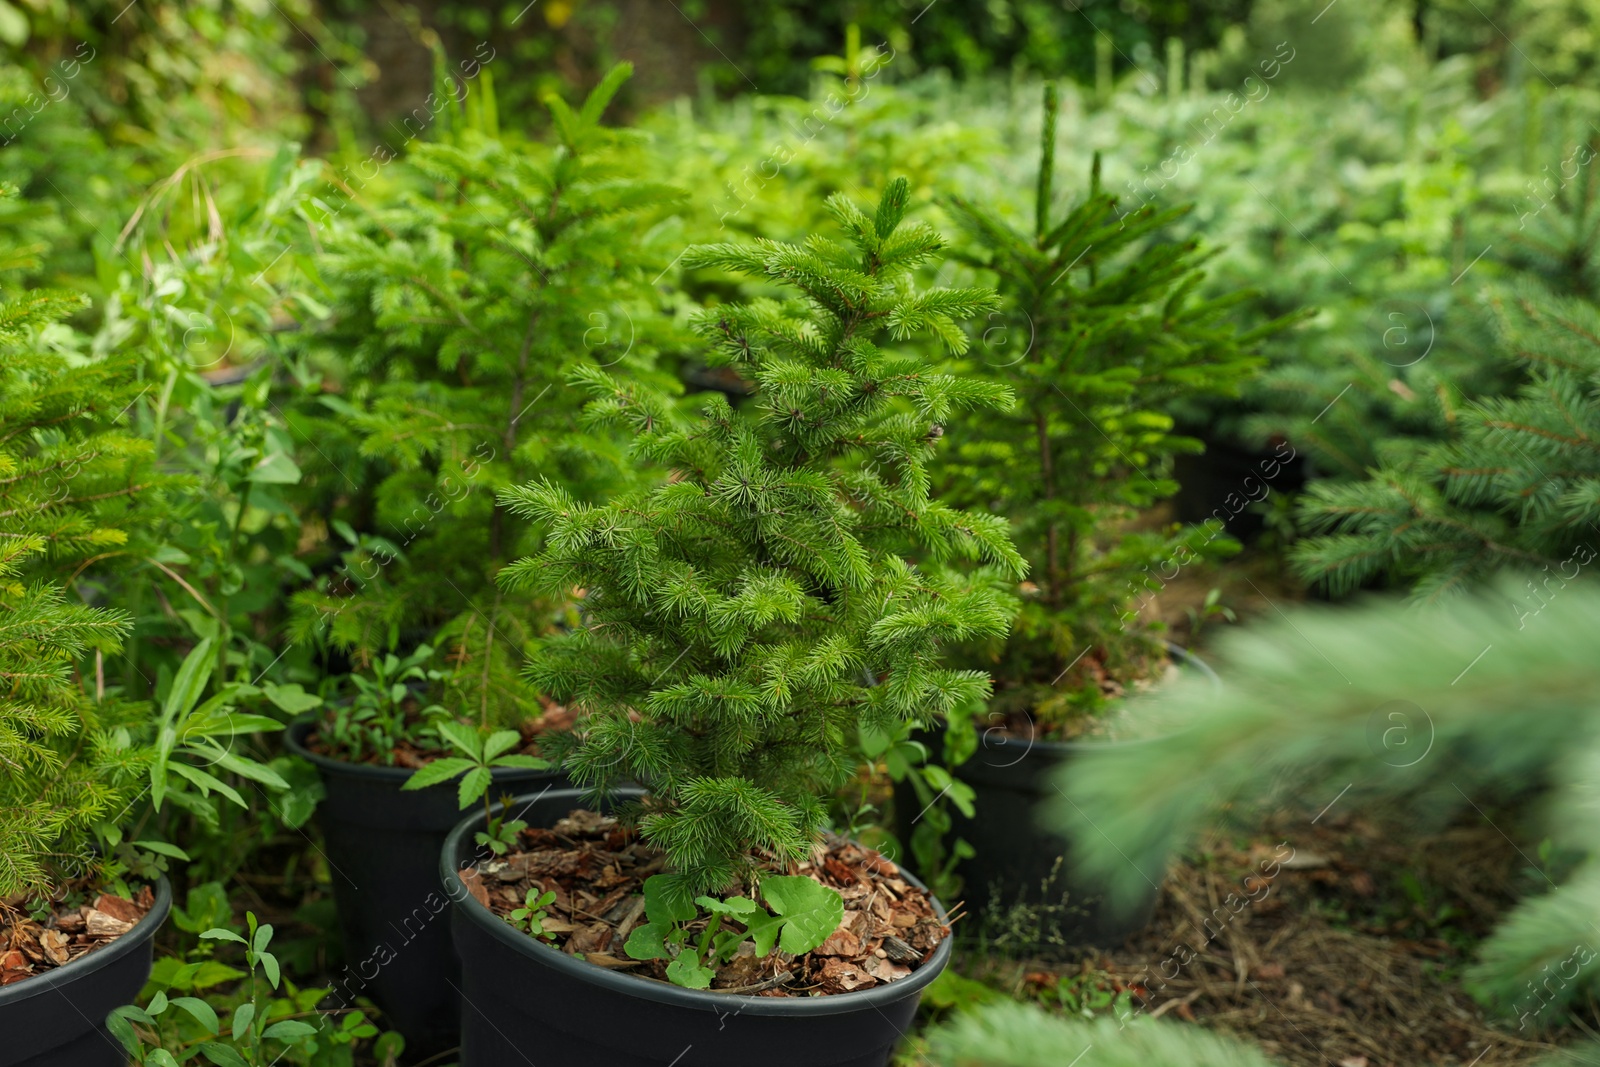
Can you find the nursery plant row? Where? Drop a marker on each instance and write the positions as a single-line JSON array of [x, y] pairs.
[[663, 630], [662, 636]]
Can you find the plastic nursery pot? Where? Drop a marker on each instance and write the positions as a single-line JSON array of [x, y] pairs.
[[1020, 886], [57, 1019], [523, 1000], [383, 857]]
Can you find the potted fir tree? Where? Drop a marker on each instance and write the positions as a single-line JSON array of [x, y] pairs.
[[463, 301], [786, 586], [79, 903], [1103, 336], [72, 947]]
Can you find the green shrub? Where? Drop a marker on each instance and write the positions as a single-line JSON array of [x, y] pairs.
[[736, 617], [1100, 332], [66, 473], [462, 302], [75, 489], [1516, 487]]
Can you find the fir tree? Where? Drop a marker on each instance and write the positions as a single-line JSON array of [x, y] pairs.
[[737, 616], [68, 483], [1518, 486], [462, 309], [1101, 333]]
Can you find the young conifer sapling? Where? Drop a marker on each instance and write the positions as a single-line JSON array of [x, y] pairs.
[[790, 582]]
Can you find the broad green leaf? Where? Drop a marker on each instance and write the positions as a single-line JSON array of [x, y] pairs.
[[498, 742], [158, 1003], [203, 1013], [269, 964], [137, 1014], [292, 698], [224, 935], [733, 907], [222, 1055], [531, 763], [213, 712], [189, 683], [962, 796], [810, 910], [249, 768], [763, 930], [388, 1048], [289, 1030], [171, 972], [647, 942], [667, 901], [473, 785], [230, 724], [161, 848], [687, 972], [121, 1029], [297, 806], [207, 782], [440, 770], [211, 973], [205, 907], [874, 741], [243, 1016], [262, 938], [461, 736], [160, 1058], [276, 469], [201, 623]]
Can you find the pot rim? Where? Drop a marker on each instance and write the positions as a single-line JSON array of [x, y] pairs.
[[662, 992], [52, 980], [294, 740]]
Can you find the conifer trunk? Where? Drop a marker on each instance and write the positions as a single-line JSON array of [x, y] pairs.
[[1052, 535]]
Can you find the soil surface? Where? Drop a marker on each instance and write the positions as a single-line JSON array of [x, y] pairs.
[[1349, 955], [28, 947], [596, 868]]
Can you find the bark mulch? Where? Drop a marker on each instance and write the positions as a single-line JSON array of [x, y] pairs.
[[28, 947], [596, 868]]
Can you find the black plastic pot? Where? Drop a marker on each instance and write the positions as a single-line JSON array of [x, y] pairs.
[[383, 854], [1021, 887], [57, 1019], [1220, 483], [525, 1002]]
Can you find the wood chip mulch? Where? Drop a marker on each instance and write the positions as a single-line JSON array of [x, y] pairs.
[[28, 948], [596, 868], [1333, 966]]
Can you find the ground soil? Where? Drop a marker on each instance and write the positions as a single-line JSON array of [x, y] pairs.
[[1350, 956]]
